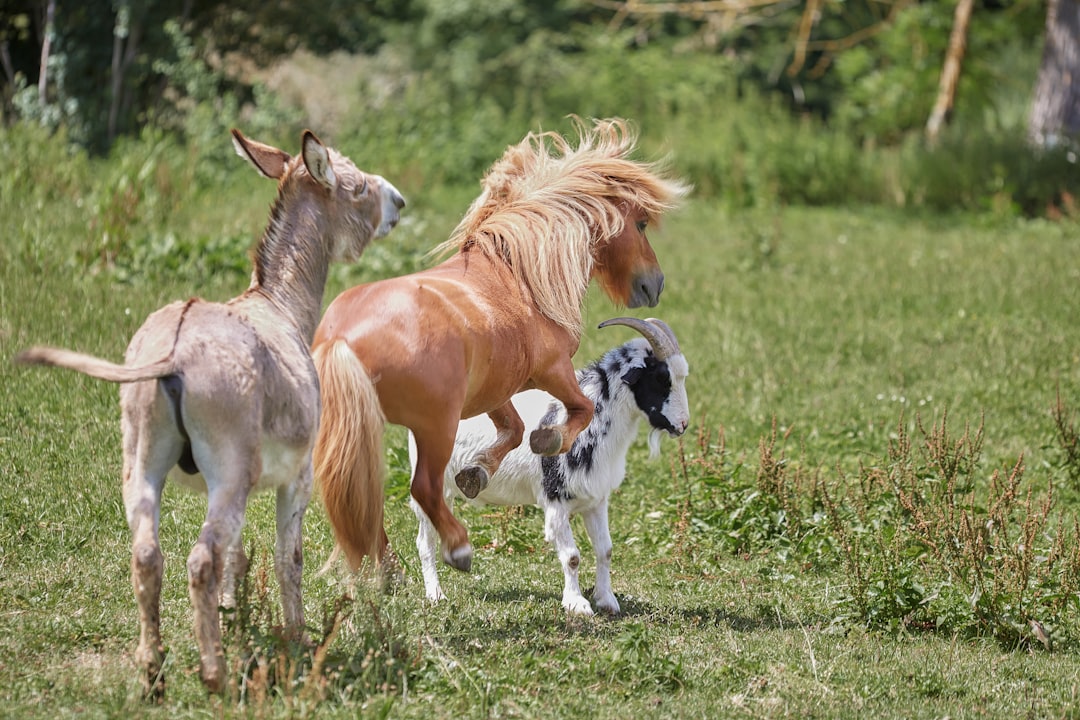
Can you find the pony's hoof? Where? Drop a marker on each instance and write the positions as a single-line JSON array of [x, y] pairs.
[[459, 558], [545, 441], [472, 481]]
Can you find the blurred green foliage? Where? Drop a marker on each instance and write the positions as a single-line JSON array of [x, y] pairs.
[[743, 108]]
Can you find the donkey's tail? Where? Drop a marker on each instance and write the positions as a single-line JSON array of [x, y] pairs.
[[95, 366], [348, 454]]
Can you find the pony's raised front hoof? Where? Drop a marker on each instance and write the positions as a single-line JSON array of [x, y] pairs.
[[459, 558], [545, 441], [472, 480]]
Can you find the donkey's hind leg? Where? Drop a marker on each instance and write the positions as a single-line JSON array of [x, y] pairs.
[[292, 502], [151, 448], [228, 493], [509, 429]]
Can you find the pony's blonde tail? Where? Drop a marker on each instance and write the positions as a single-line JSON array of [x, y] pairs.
[[348, 454]]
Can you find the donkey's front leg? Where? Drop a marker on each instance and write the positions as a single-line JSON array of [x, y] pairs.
[[561, 382], [292, 502], [509, 429]]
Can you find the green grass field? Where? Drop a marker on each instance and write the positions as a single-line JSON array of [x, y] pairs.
[[846, 330]]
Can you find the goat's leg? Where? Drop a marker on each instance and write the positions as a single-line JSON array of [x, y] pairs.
[[427, 542], [596, 525], [557, 531], [509, 429], [292, 502], [561, 382], [432, 455]]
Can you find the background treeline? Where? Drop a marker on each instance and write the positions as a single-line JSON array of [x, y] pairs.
[[758, 102]]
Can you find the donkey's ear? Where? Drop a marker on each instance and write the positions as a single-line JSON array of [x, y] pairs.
[[269, 161], [317, 160]]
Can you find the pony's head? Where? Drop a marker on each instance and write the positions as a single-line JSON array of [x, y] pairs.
[[560, 215]]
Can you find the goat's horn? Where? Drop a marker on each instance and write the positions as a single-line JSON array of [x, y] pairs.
[[657, 332]]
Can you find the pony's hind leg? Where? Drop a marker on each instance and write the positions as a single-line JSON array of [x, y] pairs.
[[292, 502], [432, 455], [427, 541], [509, 429]]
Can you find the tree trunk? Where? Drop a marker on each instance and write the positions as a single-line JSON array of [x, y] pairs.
[[950, 73], [1055, 111], [46, 48]]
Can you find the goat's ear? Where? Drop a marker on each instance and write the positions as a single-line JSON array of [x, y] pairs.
[[268, 160], [632, 375], [317, 160]]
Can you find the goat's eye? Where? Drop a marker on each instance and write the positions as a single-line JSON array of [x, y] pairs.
[[641, 225]]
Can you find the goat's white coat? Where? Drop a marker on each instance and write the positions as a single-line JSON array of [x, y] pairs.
[[519, 480]]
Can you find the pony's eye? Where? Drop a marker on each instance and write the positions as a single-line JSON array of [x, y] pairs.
[[361, 188], [641, 225]]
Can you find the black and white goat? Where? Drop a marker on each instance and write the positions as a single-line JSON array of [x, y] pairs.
[[643, 378]]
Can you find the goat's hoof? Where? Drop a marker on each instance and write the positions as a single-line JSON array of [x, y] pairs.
[[460, 558], [545, 441], [472, 481]]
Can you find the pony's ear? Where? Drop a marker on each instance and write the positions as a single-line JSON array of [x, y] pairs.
[[268, 160], [317, 160]]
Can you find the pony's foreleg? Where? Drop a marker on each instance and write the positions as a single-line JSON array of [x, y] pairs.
[[562, 384], [509, 429], [292, 502], [432, 455], [596, 525]]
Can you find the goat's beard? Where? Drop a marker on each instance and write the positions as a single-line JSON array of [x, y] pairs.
[[654, 443]]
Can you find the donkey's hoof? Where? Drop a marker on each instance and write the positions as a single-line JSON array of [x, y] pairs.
[[213, 677], [460, 558], [545, 441], [472, 481]]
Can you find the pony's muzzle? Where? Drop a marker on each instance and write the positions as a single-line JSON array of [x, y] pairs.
[[646, 289]]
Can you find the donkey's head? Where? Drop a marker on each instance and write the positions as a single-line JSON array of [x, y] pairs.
[[358, 206]]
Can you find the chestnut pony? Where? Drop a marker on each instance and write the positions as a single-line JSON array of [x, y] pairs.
[[501, 314]]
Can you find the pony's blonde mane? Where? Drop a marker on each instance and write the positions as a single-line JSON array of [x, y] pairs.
[[546, 205]]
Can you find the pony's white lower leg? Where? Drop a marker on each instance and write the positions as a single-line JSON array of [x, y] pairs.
[[596, 525], [557, 531], [427, 544]]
